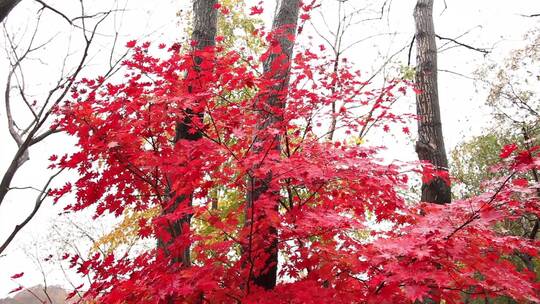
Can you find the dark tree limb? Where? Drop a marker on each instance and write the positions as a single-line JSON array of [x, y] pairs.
[[410, 50], [6, 6], [481, 50], [530, 16], [59, 13]]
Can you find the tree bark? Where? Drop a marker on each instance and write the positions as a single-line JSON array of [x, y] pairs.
[[6, 6], [204, 34], [430, 144], [283, 27]]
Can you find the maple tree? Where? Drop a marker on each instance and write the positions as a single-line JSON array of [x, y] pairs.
[[323, 220]]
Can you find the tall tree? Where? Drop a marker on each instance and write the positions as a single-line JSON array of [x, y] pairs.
[[203, 37], [284, 32], [430, 144]]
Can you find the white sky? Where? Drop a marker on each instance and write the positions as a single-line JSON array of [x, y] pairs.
[[495, 22]]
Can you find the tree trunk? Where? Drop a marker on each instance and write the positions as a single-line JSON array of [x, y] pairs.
[[283, 27], [430, 144], [204, 33], [6, 6]]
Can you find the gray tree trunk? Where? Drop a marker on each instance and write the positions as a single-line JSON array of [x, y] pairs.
[[204, 32], [430, 144], [6, 6], [286, 19]]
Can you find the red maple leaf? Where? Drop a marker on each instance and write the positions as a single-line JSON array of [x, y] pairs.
[[18, 275], [507, 150], [256, 10]]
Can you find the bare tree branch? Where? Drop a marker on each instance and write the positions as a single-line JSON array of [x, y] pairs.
[[530, 16], [39, 201], [410, 50], [481, 50], [46, 6]]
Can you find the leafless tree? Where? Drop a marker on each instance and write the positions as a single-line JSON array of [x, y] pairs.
[[29, 116]]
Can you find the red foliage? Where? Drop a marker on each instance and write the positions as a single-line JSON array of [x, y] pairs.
[[16, 289], [329, 193], [17, 275], [507, 150]]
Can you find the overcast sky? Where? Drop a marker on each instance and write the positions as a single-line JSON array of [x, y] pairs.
[[492, 23]]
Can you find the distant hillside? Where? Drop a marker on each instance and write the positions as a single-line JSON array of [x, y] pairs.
[[36, 295]]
